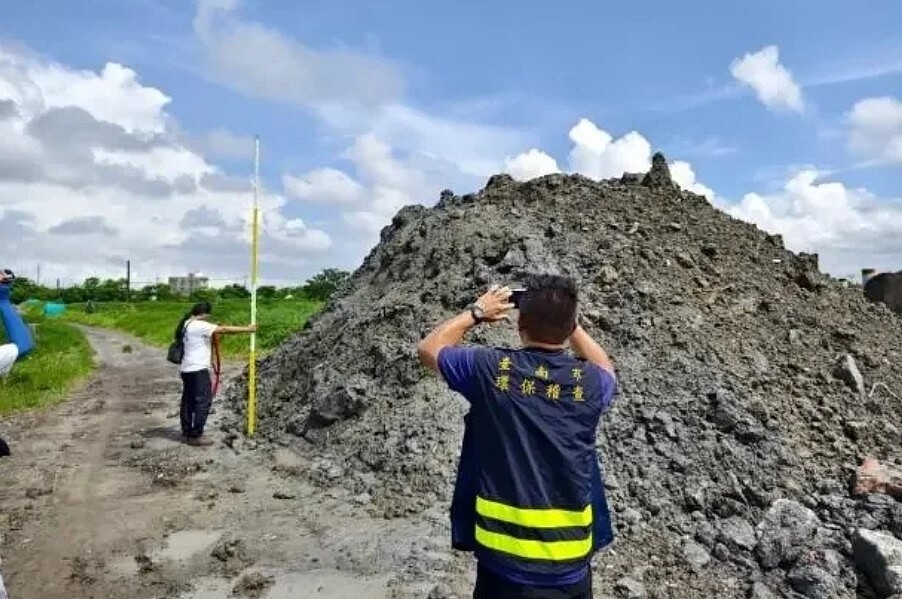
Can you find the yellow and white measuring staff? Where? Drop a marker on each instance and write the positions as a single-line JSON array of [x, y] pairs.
[[255, 246]]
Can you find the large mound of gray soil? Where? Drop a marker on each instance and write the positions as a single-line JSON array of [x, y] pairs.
[[746, 380]]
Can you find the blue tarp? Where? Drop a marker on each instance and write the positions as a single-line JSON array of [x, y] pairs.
[[54, 309]]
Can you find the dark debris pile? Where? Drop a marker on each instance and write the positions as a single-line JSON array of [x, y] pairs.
[[746, 375]]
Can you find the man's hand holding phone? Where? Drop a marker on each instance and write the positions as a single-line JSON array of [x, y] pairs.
[[495, 304]]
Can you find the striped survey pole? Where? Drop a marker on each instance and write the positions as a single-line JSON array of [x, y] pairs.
[[255, 246]]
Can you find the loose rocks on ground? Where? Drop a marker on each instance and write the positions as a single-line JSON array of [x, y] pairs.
[[741, 372], [785, 532], [879, 556], [253, 585]]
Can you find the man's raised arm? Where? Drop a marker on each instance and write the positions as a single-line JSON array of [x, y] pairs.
[[491, 307], [588, 349]]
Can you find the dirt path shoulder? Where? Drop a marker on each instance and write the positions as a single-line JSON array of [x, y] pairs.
[[101, 500]]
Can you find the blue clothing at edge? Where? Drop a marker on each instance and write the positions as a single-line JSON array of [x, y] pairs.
[[461, 369], [16, 330]]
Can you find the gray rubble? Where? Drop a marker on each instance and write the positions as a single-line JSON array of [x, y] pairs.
[[847, 371], [729, 450], [879, 557]]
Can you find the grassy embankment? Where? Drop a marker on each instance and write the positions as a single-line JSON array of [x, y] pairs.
[[154, 322], [61, 359]]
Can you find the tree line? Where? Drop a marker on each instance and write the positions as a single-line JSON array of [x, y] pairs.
[[320, 287]]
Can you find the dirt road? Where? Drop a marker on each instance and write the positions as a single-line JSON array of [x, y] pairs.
[[101, 500]]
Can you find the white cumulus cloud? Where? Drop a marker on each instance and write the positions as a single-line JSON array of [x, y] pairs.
[[93, 172], [391, 183], [114, 95], [531, 164], [386, 178], [772, 82], [383, 180], [597, 155], [848, 228], [875, 129], [684, 176]]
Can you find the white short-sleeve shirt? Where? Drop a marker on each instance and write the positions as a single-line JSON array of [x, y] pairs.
[[8, 355], [198, 346]]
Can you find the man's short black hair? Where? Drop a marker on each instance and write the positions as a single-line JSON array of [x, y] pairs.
[[548, 308]]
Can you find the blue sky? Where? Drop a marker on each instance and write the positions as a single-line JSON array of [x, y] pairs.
[[415, 87]]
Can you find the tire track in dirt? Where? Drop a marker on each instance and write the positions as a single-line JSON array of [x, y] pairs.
[[65, 459]]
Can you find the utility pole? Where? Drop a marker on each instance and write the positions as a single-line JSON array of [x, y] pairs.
[[59, 294], [39, 275], [128, 280]]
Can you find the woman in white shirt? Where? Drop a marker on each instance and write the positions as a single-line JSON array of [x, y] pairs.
[[197, 390]]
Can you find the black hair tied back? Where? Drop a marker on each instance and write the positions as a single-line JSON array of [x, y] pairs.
[[198, 309]]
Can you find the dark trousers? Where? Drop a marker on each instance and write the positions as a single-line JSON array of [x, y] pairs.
[[197, 396], [491, 586]]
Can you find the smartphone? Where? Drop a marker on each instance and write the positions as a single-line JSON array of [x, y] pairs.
[[517, 297]]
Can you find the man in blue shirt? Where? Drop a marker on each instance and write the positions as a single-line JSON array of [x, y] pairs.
[[529, 500]]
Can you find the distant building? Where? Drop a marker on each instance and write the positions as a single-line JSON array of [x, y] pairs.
[[188, 285]]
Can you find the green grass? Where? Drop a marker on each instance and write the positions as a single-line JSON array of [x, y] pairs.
[[62, 358], [154, 322]]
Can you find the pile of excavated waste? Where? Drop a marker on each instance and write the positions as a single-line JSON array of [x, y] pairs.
[[751, 385]]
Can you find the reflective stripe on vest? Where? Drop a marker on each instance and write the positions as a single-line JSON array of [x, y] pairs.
[[531, 517], [540, 521]]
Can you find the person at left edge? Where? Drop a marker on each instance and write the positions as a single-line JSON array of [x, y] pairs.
[[20, 345], [20, 341]]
